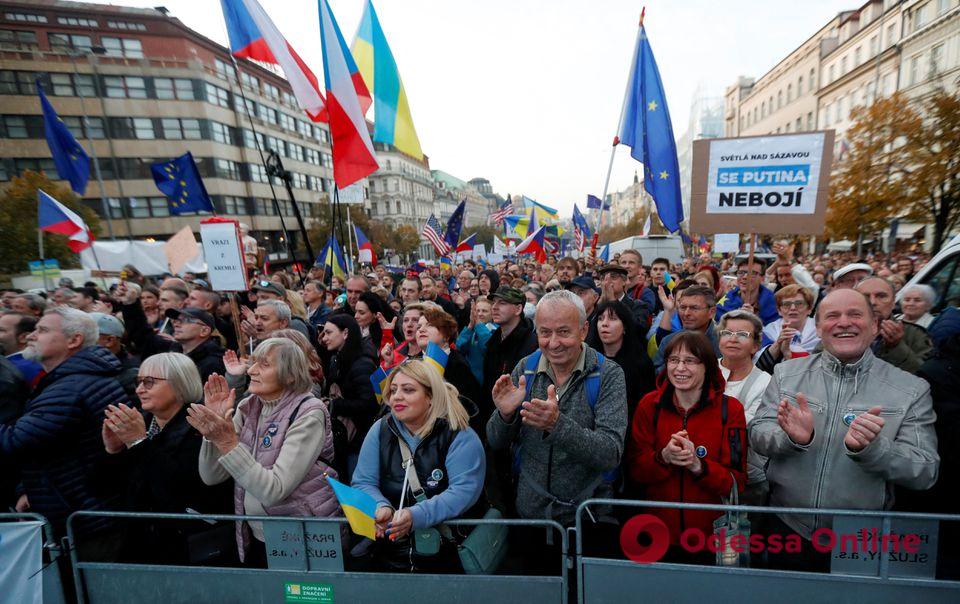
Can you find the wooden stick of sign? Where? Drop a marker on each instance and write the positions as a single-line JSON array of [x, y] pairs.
[[753, 245]]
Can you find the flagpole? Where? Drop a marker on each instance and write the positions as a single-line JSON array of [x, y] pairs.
[[43, 268], [353, 265]]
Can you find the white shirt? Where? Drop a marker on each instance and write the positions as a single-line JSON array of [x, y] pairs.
[[750, 400]]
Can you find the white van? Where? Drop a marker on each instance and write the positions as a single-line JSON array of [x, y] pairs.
[[942, 273], [651, 247]]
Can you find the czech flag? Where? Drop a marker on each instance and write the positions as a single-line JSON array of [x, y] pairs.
[[353, 156], [359, 508], [366, 248], [254, 36], [467, 244], [54, 217], [436, 357], [534, 244]]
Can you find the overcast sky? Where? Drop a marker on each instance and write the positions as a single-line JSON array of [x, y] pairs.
[[527, 93]]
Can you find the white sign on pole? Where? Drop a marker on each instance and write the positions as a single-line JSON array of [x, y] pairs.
[[479, 251], [352, 193], [726, 243], [365, 255], [224, 255]]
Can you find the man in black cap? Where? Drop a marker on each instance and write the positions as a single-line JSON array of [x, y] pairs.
[[613, 279], [193, 330], [588, 291], [269, 290], [514, 339]]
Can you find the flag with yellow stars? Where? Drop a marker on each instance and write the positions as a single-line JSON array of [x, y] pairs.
[[179, 179], [71, 160], [647, 130]]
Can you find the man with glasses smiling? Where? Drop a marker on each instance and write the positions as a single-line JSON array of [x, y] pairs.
[[750, 293], [696, 306]]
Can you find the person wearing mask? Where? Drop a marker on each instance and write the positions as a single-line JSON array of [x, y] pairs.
[[869, 422], [353, 404], [160, 451], [614, 334], [427, 424], [696, 306], [14, 330], [901, 344], [688, 440], [916, 302], [276, 444], [750, 294]]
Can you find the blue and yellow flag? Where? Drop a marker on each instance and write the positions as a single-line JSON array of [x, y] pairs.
[[378, 378], [669, 281], [436, 357], [547, 211], [392, 123], [71, 160], [180, 181], [359, 508], [332, 256]]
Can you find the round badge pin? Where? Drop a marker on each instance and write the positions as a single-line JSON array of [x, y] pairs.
[[437, 474], [272, 429], [266, 441], [849, 417], [701, 451]]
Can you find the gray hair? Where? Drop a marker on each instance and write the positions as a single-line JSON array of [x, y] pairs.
[[36, 302], [536, 288], [744, 315], [926, 292], [282, 309], [180, 372], [564, 296], [73, 322], [293, 371]]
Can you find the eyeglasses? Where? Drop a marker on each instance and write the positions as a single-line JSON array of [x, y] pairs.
[[148, 382], [691, 308], [745, 273], [794, 304], [740, 335], [688, 361]]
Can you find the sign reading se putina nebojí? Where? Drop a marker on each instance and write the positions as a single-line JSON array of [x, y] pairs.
[[224, 255], [762, 184]]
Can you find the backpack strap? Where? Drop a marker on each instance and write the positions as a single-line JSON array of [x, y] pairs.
[[592, 383], [530, 371]]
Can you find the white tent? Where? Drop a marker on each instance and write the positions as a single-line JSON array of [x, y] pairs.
[[844, 245]]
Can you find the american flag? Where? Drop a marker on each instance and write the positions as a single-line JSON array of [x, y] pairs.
[[579, 240], [505, 210], [431, 230]]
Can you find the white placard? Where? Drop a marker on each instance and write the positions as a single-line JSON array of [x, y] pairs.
[[765, 175], [479, 251], [726, 243], [221, 248], [352, 193], [365, 255]]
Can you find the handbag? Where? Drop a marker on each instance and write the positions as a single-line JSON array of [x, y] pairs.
[[730, 524], [483, 549]]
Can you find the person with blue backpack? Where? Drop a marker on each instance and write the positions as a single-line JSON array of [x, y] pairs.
[[563, 412]]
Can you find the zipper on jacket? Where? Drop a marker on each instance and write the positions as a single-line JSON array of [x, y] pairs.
[[829, 429]]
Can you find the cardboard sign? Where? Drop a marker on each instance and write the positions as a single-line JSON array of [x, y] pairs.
[[221, 248], [726, 243], [309, 545], [763, 184], [181, 249]]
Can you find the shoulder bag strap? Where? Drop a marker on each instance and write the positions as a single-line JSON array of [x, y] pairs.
[[414, 482]]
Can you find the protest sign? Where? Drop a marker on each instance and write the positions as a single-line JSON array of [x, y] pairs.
[[181, 249], [761, 184], [351, 194], [221, 248], [726, 243], [479, 251]]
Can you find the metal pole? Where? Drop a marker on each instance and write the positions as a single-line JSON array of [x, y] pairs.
[[43, 268], [104, 205], [275, 168]]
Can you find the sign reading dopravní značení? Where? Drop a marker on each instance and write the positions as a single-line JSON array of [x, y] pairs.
[[765, 183]]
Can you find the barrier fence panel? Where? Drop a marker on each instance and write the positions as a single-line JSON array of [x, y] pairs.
[[305, 557], [869, 556], [51, 587]]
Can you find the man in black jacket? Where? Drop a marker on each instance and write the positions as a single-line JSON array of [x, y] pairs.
[[514, 339], [193, 330], [56, 442]]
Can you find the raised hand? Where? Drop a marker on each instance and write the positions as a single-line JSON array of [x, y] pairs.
[[891, 332], [234, 365], [217, 429], [111, 442], [666, 300], [218, 396], [864, 429], [796, 421], [384, 324], [508, 397], [542, 414], [126, 423], [386, 355]]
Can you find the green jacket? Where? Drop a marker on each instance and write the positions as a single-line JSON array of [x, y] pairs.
[[910, 352]]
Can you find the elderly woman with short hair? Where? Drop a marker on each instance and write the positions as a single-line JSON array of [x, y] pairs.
[[278, 446], [160, 451], [916, 302]]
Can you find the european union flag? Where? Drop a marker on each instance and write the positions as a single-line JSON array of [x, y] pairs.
[[455, 225], [594, 203], [72, 161], [647, 130], [180, 181]]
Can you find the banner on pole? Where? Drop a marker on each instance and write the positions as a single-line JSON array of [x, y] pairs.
[[224, 255], [352, 194], [479, 251], [21, 544], [764, 184], [726, 243]]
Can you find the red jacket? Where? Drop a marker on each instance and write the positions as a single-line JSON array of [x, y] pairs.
[[654, 422]]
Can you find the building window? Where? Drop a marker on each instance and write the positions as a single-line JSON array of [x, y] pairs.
[[268, 114], [128, 25], [843, 66], [93, 129], [25, 17], [874, 46], [177, 129], [812, 81], [143, 128], [174, 88], [288, 122], [936, 59], [891, 35], [326, 160], [799, 87], [799, 125], [139, 207], [224, 168], [19, 39], [914, 70], [322, 135], [258, 173], [15, 126], [271, 91], [221, 133], [826, 116], [77, 22], [131, 48], [249, 81], [275, 144], [159, 207], [118, 87], [222, 68], [63, 42], [856, 57], [295, 151], [234, 205], [265, 207], [69, 84], [830, 74], [789, 92], [779, 99], [217, 96], [810, 121], [943, 6]]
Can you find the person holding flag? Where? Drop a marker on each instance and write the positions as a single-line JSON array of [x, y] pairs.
[[423, 465]]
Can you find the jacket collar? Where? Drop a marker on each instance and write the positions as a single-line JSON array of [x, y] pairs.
[[835, 366]]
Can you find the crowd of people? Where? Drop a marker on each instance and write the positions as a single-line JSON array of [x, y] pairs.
[[797, 383]]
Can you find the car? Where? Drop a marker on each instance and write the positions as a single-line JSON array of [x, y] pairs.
[[942, 273]]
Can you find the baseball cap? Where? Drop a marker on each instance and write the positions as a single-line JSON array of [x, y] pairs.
[[269, 286], [508, 294], [193, 313], [109, 325], [583, 282], [612, 268], [856, 266]]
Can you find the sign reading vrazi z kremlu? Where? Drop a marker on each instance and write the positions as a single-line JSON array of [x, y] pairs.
[[765, 184]]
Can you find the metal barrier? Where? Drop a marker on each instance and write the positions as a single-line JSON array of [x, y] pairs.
[[601, 580], [52, 584], [107, 582]]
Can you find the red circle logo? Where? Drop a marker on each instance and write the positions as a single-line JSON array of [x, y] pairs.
[[644, 538]]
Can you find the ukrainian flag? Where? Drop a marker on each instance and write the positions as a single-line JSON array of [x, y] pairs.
[[551, 213], [378, 378], [359, 508], [669, 281], [332, 256], [436, 357], [393, 123]]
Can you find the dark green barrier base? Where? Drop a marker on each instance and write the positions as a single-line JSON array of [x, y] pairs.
[[123, 583], [611, 581]]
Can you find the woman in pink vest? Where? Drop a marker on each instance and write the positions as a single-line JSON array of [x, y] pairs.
[[277, 446]]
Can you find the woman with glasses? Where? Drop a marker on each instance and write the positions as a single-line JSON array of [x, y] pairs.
[[160, 449], [427, 423], [794, 334], [688, 440], [276, 444]]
